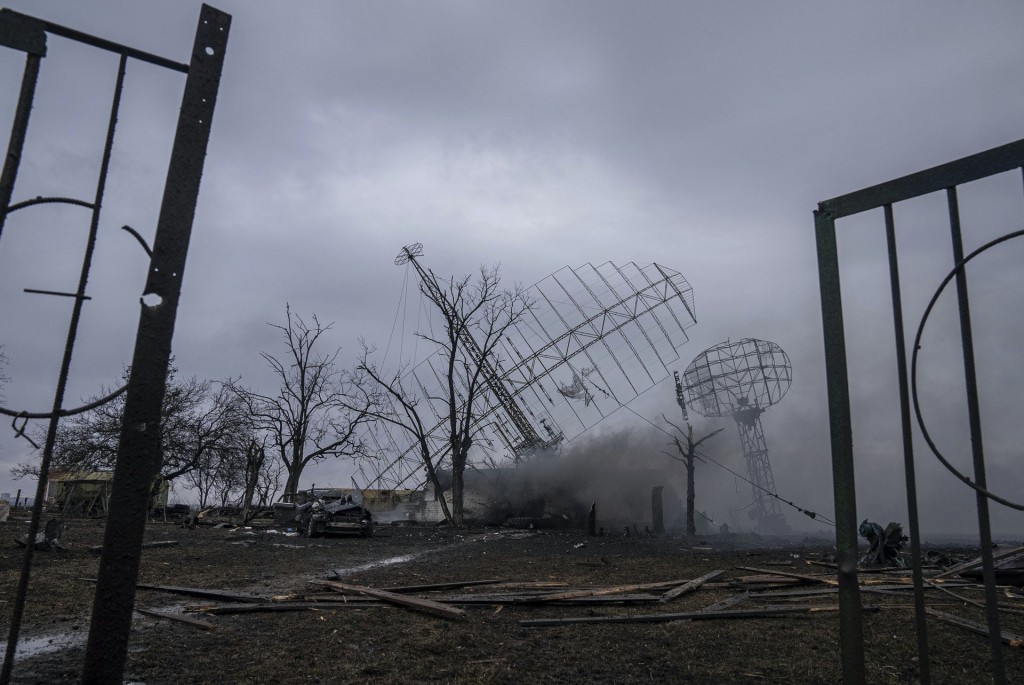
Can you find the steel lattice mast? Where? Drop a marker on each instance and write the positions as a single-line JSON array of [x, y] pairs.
[[528, 438], [741, 380], [765, 509]]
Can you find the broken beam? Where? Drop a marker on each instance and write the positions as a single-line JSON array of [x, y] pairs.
[[175, 617], [688, 616], [690, 586], [416, 603], [201, 592], [600, 591], [786, 574], [1007, 637]]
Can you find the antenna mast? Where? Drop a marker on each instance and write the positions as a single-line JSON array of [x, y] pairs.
[[529, 439]]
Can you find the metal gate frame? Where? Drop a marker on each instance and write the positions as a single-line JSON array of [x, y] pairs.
[[945, 177], [138, 456]]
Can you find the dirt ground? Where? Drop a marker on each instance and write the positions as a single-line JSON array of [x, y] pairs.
[[386, 644]]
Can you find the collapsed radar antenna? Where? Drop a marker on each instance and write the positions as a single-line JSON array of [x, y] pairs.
[[741, 380], [593, 339]]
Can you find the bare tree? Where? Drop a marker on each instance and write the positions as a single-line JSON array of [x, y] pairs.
[[260, 477], [310, 417], [476, 313], [201, 422], [687, 455], [391, 402]]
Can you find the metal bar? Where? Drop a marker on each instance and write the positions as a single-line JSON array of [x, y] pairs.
[[36, 291], [138, 454], [920, 617], [65, 369], [101, 43], [851, 636], [980, 165], [18, 130], [977, 445]]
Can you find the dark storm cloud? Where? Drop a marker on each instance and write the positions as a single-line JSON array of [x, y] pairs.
[[538, 135]]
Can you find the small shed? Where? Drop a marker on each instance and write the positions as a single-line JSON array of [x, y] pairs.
[[78, 493]]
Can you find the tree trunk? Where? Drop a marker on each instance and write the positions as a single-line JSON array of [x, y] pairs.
[[255, 457], [458, 487], [691, 528], [435, 481], [291, 486]]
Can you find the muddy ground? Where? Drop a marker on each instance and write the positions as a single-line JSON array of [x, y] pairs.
[[393, 645]]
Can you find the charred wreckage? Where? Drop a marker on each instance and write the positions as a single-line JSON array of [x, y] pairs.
[[319, 511]]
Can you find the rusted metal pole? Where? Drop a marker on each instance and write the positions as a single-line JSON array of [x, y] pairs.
[[920, 619], [851, 631], [28, 35], [138, 458], [977, 444]]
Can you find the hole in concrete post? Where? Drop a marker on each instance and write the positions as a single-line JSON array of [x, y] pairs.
[[152, 300], [209, 50]]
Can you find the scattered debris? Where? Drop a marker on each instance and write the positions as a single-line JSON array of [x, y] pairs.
[[145, 545], [1009, 638], [768, 612], [175, 617], [198, 592], [886, 545], [1008, 567], [48, 540], [318, 511], [690, 586], [415, 603]]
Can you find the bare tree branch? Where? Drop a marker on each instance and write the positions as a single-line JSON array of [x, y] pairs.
[[312, 415]]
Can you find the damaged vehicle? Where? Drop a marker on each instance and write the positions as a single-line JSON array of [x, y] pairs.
[[319, 511]]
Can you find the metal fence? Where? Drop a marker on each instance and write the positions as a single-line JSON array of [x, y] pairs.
[[944, 178]]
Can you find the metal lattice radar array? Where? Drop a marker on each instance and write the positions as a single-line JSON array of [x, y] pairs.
[[740, 380], [735, 375], [595, 339]]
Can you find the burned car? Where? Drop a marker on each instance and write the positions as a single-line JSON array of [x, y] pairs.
[[319, 511]]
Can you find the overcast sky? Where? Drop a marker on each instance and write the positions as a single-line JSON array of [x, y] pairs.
[[699, 135]]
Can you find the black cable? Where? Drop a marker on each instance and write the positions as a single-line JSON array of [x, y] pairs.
[[704, 456]]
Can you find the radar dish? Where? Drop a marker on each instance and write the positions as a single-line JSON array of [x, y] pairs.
[[740, 380], [409, 252], [730, 376]]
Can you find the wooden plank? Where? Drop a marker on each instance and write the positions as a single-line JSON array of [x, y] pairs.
[[798, 576], [518, 600], [202, 592], [599, 591], [817, 592], [975, 563], [967, 600], [442, 586], [537, 585], [664, 618], [1009, 638], [725, 603], [690, 586], [291, 606], [145, 545], [194, 622], [415, 603]]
